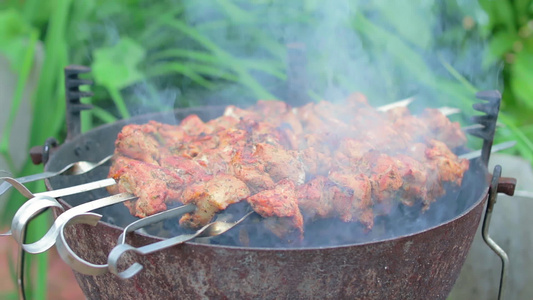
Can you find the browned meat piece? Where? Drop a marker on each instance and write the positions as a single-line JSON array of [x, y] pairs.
[[345, 196], [431, 125], [261, 132], [351, 151], [414, 175], [315, 198], [443, 129], [383, 173], [386, 138], [231, 139], [239, 113], [193, 125], [344, 160], [139, 142], [280, 164], [315, 162], [450, 167], [444, 166], [211, 197], [352, 198], [169, 135], [280, 116], [155, 186], [222, 123], [251, 170], [309, 118], [329, 123], [378, 178], [440, 165], [187, 169], [280, 206], [385, 177]]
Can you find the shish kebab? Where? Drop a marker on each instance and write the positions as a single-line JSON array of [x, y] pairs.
[[348, 161]]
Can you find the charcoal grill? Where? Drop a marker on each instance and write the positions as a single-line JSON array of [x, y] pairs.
[[422, 264]]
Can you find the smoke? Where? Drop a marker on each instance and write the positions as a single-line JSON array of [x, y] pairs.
[[388, 50]]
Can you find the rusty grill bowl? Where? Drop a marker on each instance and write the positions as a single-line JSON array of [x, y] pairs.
[[419, 265]]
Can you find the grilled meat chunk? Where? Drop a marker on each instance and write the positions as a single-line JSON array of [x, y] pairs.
[[352, 198], [432, 124], [251, 170], [154, 185], [280, 164], [414, 175], [211, 197], [280, 208], [140, 142], [315, 198], [346, 160]]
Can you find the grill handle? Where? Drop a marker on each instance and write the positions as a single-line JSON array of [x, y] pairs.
[[73, 96], [74, 107], [487, 120], [498, 185]]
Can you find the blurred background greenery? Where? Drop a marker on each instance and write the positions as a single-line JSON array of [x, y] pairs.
[[151, 56]]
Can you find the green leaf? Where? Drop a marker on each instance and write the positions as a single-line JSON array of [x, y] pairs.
[[457, 75], [116, 66], [246, 79], [413, 22], [14, 37], [25, 69], [395, 46], [500, 13], [235, 13], [501, 43], [183, 69], [522, 74], [274, 68], [37, 12], [187, 54]]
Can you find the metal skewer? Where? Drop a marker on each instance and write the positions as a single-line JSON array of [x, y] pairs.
[[35, 205], [400, 103], [75, 168], [211, 229], [57, 193], [174, 212], [495, 148], [70, 257], [445, 110], [82, 266]]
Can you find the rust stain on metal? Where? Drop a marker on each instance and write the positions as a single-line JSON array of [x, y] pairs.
[[424, 265], [420, 266], [507, 185]]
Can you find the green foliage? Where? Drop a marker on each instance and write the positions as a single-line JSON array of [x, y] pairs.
[[14, 34], [511, 32], [115, 70]]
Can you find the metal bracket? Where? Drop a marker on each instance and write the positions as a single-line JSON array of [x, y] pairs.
[[498, 185], [487, 121], [73, 96], [40, 154]]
